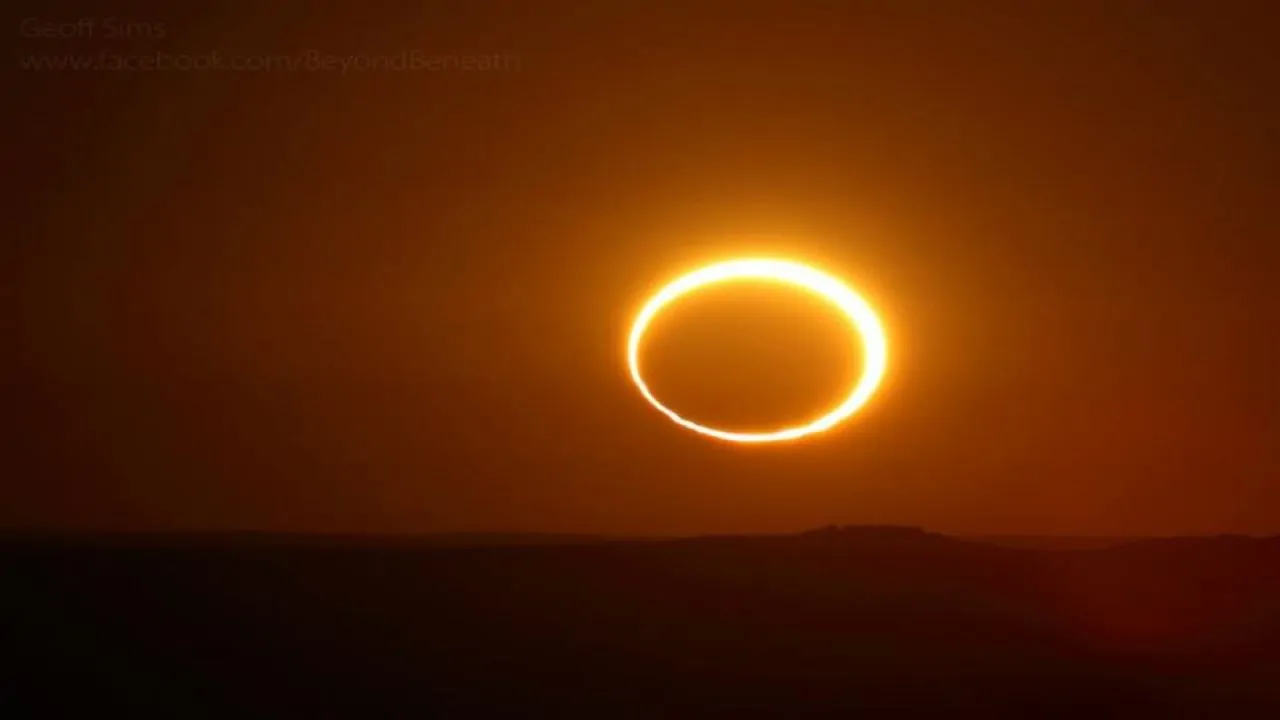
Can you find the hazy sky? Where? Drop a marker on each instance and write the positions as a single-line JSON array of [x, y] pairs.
[[396, 300]]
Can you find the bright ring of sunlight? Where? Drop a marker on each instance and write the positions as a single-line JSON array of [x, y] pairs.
[[863, 319]]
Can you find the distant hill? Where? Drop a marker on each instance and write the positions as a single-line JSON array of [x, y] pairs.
[[1055, 542], [268, 539]]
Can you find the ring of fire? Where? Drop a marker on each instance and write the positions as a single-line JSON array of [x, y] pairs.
[[860, 315]]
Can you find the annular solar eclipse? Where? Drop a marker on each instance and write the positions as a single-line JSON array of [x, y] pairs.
[[864, 324]]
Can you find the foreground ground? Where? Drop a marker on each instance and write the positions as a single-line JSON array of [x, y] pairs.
[[813, 624]]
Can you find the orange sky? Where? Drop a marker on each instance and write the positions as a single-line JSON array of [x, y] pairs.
[[397, 301]]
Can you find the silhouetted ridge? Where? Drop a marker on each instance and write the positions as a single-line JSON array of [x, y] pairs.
[[892, 533], [1056, 542], [834, 619], [1222, 543], [266, 540], [881, 537]]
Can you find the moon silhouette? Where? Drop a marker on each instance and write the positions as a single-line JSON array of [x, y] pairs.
[[862, 318]]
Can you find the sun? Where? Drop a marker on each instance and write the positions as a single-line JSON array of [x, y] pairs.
[[862, 318]]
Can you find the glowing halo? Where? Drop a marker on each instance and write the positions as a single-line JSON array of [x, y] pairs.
[[864, 320]]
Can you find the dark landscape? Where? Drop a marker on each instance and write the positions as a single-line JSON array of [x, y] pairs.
[[820, 623], [352, 366]]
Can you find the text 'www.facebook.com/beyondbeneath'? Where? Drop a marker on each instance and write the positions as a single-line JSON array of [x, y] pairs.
[[304, 61]]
